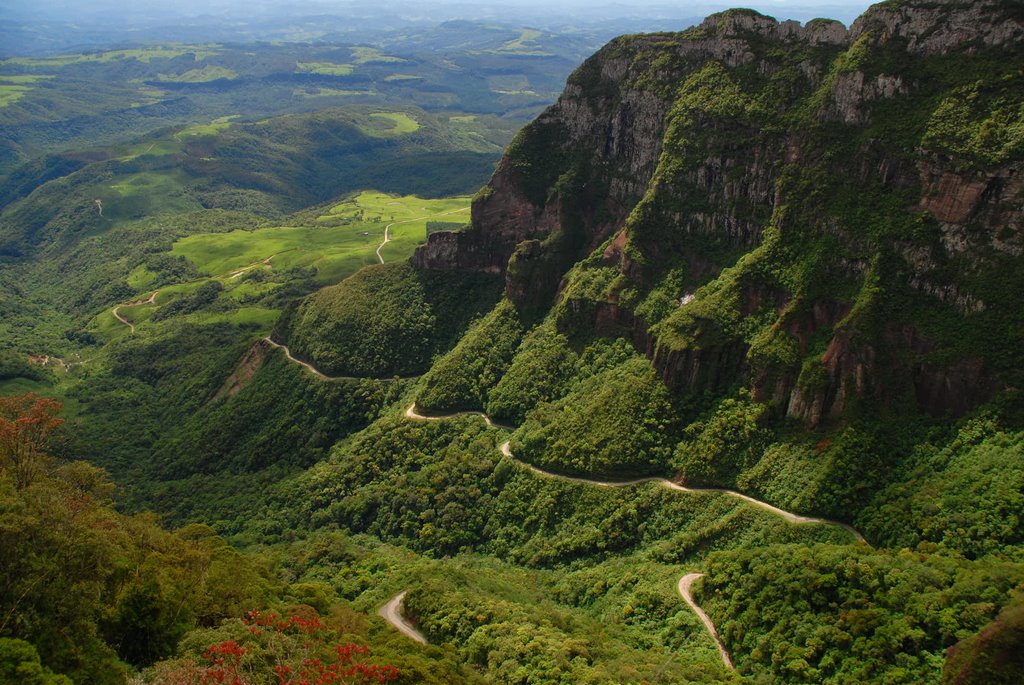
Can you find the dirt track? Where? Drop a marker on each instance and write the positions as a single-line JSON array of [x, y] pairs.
[[387, 229], [136, 303], [392, 613], [684, 586], [685, 583]]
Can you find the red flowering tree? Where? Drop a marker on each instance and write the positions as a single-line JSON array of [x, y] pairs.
[[280, 650], [26, 422]]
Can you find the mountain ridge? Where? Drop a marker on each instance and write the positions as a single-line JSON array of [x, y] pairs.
[[710, 178]]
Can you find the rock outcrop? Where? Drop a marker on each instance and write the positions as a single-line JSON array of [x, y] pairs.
[[825, 207]]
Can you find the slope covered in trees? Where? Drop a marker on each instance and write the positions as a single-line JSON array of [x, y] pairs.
[[753, 256]]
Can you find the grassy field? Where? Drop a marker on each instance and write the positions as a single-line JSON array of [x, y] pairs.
[[10, 94], [209, 129], [364, 55], [346, 240], [156, 148], [53, 389], [525, 44], [13, 87], [172, 144], [392, 124], [147, 193], [204, 75], [327, 92], [325, 68], [141, 54]]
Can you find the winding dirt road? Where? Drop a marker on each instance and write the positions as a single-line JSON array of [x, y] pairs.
[[263, 262], [387, 229], [136, 303], [685, 583], [665, 483], [323, 376], [506, 450], [392, 613], [309, 367], [411, 413]]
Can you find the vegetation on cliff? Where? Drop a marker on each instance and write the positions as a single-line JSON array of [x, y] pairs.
[[779, 260], [388, 320]]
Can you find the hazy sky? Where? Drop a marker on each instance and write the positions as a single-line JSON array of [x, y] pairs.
[[41, 27], [122, 11]]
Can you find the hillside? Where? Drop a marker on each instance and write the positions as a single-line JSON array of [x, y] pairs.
[[490, 78], [102, 231], [721, 382], [810, 236], [832, 206]]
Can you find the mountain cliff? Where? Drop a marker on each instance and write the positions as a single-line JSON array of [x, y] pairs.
[[829, 217]]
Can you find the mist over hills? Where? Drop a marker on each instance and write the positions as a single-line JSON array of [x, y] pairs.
[[31, 28]]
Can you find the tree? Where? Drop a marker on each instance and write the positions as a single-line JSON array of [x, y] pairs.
[[26, 423], [19, 663], [273, 649]]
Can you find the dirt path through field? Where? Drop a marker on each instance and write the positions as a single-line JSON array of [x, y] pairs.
[[136, 303], [387, 229], [262, 262]]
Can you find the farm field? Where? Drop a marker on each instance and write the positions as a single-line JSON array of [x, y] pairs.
[[345, 240], [240, 271]]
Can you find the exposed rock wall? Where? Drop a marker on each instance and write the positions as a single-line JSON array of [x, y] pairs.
[[686, 153]]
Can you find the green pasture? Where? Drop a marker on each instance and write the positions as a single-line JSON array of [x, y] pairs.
[[21, 386], [204, 75], [327, 92], [365, 55], [138, 313], [9, 94], [344, 239], [147, 182], [14, 86], [173, 144], [146, 193], [106, 327], [385, 124], [370, 204], [141, 54], [241, 289], [525, 44], [149, 96], [210, 129], [156, 148], [226, 310], [170, 292], [243, 316], [56, 391], [325, 68], [335, 251], [22, 79], [406, 236], [140, 278]]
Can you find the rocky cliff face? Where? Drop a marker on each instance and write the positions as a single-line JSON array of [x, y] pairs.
[[832, 217]]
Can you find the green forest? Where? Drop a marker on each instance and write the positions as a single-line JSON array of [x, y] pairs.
[[329, 367]]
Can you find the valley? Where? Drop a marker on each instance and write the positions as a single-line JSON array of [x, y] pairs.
[[401, 358]]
